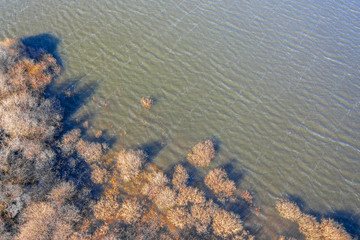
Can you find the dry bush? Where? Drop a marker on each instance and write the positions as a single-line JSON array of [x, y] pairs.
[[332, 230], [129, 163], [130, 211], [68, 142], [156, 182], [188, 195], [25, 116], [25, 161], [146, 102], [202, 215], [38, 74], [99, 175], [226, 224], [46, 221], [218, 181], [107, 208], [201, 154], [180, 177], [246, 195], [39, 219], [90, 152], [165, 198], [10, 52], [179, 217], [309, 226], [98, 134], [288, 210], [64, 191]]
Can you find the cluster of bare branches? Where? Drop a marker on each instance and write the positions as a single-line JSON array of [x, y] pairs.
[[327, 229]]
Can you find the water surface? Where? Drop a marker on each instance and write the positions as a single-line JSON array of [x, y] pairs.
[[275, 83]]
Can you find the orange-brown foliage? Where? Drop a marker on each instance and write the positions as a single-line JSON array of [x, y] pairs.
[[201, 154], [146, 102], [8, 42], [218, 181], [246, 195], [36, 75]]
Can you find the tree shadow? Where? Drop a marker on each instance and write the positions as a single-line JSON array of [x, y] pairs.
[[233, 173], [152, 149], [38, 44], [72, 94]]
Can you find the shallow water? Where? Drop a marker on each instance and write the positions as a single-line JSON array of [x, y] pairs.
[[274, 83]]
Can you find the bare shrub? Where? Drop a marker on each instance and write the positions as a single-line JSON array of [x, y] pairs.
[[25, 116], [24, 161], [38, 74], [288, 210], [180, 177], [309, 226], [46, 221], [202, 215], [62, 231], [190, 195], [98, 134], [179, 217], [68, 142], [201, 154], [107, 208], [62, 192], [156, 182], [130, 211], [246, 195], [146, 102], [218, 181], [165, 198], [226, 224], [332, 230], [128, 163], [99, 175], [39, 218], [90, 152]]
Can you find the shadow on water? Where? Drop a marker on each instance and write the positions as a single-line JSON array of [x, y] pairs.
[[233, 173], [45, 42], [72, 94], [152, 149], [350, 221]]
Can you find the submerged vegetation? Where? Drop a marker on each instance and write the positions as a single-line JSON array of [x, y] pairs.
[[55, 184]]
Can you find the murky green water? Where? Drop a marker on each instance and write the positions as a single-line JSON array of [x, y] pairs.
[[275, 83]]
